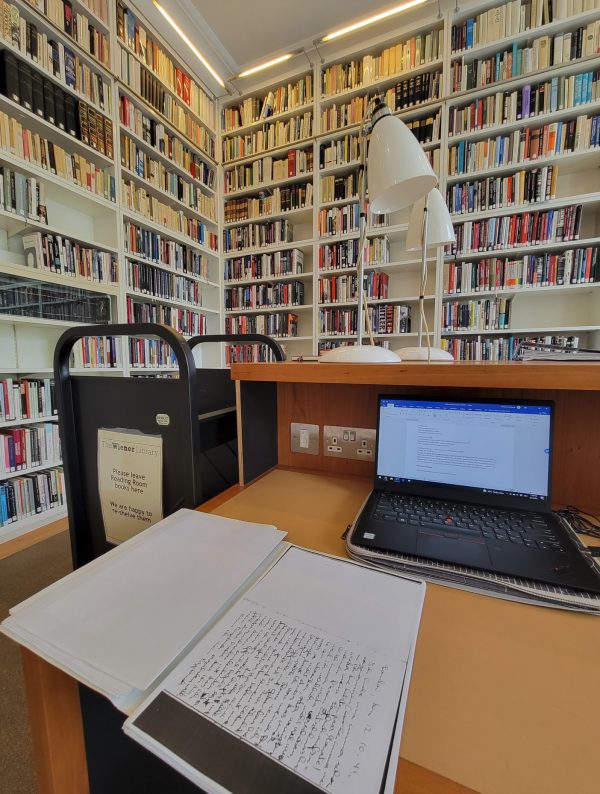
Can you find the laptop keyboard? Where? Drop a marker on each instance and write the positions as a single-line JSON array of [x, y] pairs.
[[473, 521]]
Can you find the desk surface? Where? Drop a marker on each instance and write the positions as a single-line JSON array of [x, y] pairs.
[[503, 696]]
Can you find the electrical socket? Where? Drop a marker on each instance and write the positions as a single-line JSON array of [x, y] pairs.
[[304, 438], [357, 443]]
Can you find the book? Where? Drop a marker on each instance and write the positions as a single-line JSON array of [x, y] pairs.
[[222, 603]]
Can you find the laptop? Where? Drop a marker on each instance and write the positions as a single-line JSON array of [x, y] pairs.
[[467, 482]]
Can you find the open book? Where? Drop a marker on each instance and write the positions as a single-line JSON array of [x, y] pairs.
[[239, 658]]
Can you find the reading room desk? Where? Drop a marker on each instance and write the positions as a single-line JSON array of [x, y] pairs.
[[503, 696]]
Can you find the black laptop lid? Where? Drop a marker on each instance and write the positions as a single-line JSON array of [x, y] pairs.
[[494, 452]]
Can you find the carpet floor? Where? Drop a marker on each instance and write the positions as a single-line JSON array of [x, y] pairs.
[[21, 575]]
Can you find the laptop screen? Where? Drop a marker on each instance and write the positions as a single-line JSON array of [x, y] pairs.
[[481, 451]]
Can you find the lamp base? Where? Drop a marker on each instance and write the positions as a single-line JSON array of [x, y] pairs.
[[423, 354], [359, 354]]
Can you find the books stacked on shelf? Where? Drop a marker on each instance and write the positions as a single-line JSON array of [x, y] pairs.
[[254, 267], [573, 266], [510, 19], [55, 253], [262, 296], [277, 324], [139, 200], [156, 135], [344, 255], [150, 354], [97, 352], [426, 129], [21, 497], [268, 169], [525, 145], [172, 184], [157, 62], [74, 24], [341, 289], [149, 280], [273, 202], [342, 151], [339, 188], [385, 319], [527, 228], [338, 220], [257, 235], [285, 98], [21, 142], [187, 322], [498, 348], [25, 86], [402, 57], [242, 354], [29, 447], [26, 399], [331, 344], [487, 314], [151, 246], [414, 91], [337, 116], [25, 196], [527, 102], [22, 297], [540, 53], [523, 187], [271, 135]]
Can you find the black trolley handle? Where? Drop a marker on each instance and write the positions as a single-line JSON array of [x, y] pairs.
[[256, 339]]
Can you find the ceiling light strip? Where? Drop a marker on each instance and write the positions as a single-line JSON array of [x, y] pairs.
[[267, 64], [371, 20]]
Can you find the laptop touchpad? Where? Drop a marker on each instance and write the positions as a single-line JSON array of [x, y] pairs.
[[445, 548]]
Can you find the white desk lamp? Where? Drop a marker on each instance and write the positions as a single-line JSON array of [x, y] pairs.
[[399, 174], [430, 225]]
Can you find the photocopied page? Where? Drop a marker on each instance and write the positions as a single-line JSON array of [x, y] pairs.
[[298, 688], [121, 620]]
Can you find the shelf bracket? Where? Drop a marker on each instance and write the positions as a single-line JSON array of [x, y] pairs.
[[318, 51]]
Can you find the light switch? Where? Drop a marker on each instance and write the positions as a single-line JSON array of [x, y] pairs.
[[304, 438]]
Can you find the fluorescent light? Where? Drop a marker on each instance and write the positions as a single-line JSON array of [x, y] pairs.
[[377, 18], [192, 47], [266, 65]]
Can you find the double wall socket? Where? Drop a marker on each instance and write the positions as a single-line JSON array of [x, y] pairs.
[[348, 442]]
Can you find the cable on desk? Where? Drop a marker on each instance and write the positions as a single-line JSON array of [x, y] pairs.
[[580, 521]]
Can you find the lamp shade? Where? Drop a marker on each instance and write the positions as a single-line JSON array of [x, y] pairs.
[[398, 170], [440, 230]]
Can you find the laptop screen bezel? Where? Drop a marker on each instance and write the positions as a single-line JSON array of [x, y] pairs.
[[464, 493]]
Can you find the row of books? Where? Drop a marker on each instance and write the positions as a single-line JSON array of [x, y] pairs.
[[146, 353], [401, 57], [152, 91], [54, 8], [338, 220], [136, 159], [340, 152], [257, 235], [25, 196], [269, 136], [414, 91], [97, 352], [277, 324], [72, 167], [337, 188], [281, 100], [262, 296], [528, 228], [152, 246], [341, 289], [343, 255], [55, 59], [512, 18], [26, 399], [531, 143], [575, 266], [57, 254], [501, 348], [336, 117], [149, 280], [258, 266], [524, 187], [268, 169], [279, 199], [188, 323], [156, 135], [517, 61], [238, 354], [386, 319], [21, 497], [137, 39], [29, 447], [487, 314], [529, 101], [139, 200], [25, 298], [26, 87], [331, 344]]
